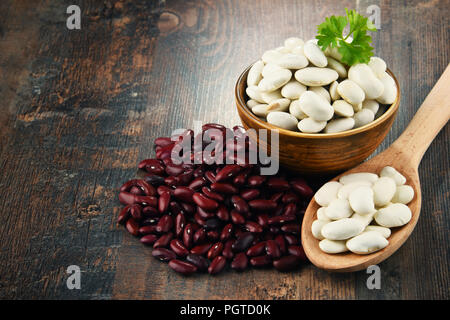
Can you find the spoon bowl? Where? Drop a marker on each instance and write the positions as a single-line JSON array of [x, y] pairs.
[[404, 155]]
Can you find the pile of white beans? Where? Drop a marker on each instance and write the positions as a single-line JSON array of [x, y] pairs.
[[357, 212], [300, 87]]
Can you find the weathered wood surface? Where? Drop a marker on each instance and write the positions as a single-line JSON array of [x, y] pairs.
[[80, 108]]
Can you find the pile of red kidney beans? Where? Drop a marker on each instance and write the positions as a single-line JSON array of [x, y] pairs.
[[203, 217]]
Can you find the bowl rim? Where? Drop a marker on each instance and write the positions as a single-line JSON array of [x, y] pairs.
[[242, 105]]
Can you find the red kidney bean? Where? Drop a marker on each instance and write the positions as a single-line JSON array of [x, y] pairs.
[[142, 185], [162, 189], [222, 213], [217, 265], [199, 236], [302, 188], [290, 209], [124, 214], [213, 195], [256, 181], [188, 235], [253, 227], [163, 141], [274, 230], [262, 204], [132, 227], [144, 230], [236, 217], [199, 219], [163, 254], [197, 183], [240, 179], [250, 194], [154, 180], [184, 194], [150, 212], [163, 241], [182, 267], [281, 219], [205, 214], [213, 235], [227, 232], [272, 249], [226, 188], [174, 170], [136, 190], [290, 239], [243, 242], [149, 239], [239, 262], [200, 262], [298, 252], [291, 228], [239, 204], [263, 220], [227, 172], [260, 261], [129, 198], [163, 202], [172, 181], [278, 184], [164, 152], [209, 175], [290, 197], [215, 250], [277, 196], [189, 208], [286, 263], [152, 166], [205, 203], [178, 247], [256, 250], [201, 249], [180, 222], [212, 223], [281, 243], [164, 224]]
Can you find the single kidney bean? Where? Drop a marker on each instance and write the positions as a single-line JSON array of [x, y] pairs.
[[281, 219], [227, 172], [163, 241], [199, 236], [205, 203], [201, 249], [281, 243], [250, 194], [142, 185], [136, 190], [256, 250], [236, 217], [149, 221], [298, 252], [290, 209], [149, 239], [205, 214], [174, 170], [240, 179], [164, 224], [239, 204], [253, 227], [256, 181], [217, 265], [150, 212], [302, 188], [291, 228], [132, 227], [197, 183], [215, 250], [260, 261], [189, 208], [286, 263], [182, 267], [180, 222], [164, 152], [209, 175], [178, 247], [129, 198], [278, 184], [152, 166], [277, 196], [144, 230], [184, 194], [172, 181], [163, 254], [199, 220], [290, 197], [162, 189], [227, 232], [222, 213], [272, 249], [213, 195], [163, 141], [200, 262], [290, 239], [163, 202], [239, 262], [188, 235], [243, 242], [262, 204], [227, 251], [124, 214], [226, 188], [263, 220]]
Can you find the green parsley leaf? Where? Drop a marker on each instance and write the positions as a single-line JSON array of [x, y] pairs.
[[331, 34]]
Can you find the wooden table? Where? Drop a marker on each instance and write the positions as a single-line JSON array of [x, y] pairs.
[[80, 108]]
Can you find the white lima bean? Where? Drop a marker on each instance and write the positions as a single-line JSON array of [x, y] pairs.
[[404, 194], [261, 110], [342, 229], [298, 50], [279, 105], [316, 77], [309, 125], [314, 54], [367, 242], [364, 77], [338, 67], [390, 90], [282, 119], [338, 209], [372, 105], [275, 80], [333, 91], [293, 42], [343, 108], [283, 49], [351, 92], [363, 117], [394, 215], [327, 193], [296, 110], [315, 106], [293, 90], [269, 68], [270, 56], [316, 228], [377, 65], [254, 74], [254, 93], [364, 219], [361, 200], [391, 172], [268, 97], [385, 232], [321, 91], [321, 214], [292, 61], [339, 125], [346, 189], [383, 191], [251, 103], [333, 246], [359, 176]]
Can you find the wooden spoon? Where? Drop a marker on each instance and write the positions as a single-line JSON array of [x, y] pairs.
[[404, 155]]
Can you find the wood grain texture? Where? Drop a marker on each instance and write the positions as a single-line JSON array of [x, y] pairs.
[[81, 108]]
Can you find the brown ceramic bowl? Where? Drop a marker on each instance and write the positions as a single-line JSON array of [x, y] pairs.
[[319, 153]]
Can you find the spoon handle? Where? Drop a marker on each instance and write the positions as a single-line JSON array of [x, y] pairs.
[[431, 117]]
